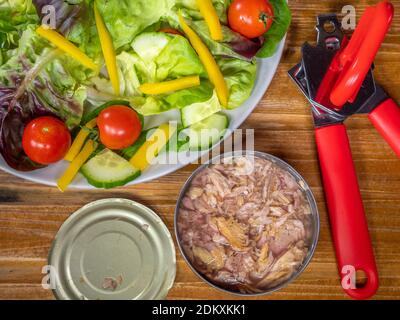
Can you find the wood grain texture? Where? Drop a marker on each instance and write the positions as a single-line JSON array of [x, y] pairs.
[[31, 214]]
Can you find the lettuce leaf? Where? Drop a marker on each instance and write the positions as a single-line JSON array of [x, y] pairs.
[[52, 77], [187, 97], [68, 12], [15, 16], [178, 59], [35, 81], [282, 20], [151, 105], [125, 19], [132, 71], [12, 124], [192, 11], [234, 45], [75, 20], [240, 76], [175, 59]]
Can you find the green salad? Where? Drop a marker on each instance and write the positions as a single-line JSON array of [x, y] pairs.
[[80, 63]]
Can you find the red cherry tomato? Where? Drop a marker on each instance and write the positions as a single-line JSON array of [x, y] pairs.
[[46, 140], [119, 127], [251, 18]]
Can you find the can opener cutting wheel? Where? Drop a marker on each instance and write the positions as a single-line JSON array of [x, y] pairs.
[[336, 77]]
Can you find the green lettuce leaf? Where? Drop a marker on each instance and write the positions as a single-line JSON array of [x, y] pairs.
[[151, 105], [15, 16], [132, 72], [233, 45], [240, 76], [166, 56], [82, 31], [282, 20], [187, 97], [191, 10], [125, 19], [178, 59], [174, 59]]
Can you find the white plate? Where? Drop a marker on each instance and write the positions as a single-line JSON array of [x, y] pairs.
[[265, 72]]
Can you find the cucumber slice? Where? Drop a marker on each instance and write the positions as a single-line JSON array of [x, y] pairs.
[[199, 111], [204, 134], [108, 170], [149, 45]]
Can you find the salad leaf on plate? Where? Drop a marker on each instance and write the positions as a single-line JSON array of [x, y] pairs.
[[35, 81], [282, 20], [132, 72], [52, 77], [178, 59], [174, 59], [12, 124], [191, 8], [126, 19], [233, 45], [15, 16], [187, 97], [240, 76], [67, 12], [74, 19]]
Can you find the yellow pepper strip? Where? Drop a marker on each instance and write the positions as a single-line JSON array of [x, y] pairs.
[[65, 45], [108, 51], [211, 66], [80, 140], [168, 86], [75, 165], [209, 14], [150, 149]]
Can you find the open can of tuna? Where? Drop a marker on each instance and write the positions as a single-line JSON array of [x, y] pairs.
[[112, 249], [247, 223]]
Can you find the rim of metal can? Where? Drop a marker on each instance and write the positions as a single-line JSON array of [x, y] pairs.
[[112, 249], [310, 197]]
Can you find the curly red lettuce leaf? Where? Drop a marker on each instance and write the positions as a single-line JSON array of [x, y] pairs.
[[12, 124], [75, 20], [67, 13], [36, 81]]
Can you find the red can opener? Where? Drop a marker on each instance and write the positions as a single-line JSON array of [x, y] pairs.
[[347, 81], [336, 77]]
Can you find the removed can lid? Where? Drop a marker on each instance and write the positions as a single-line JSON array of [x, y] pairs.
[[113, 249]]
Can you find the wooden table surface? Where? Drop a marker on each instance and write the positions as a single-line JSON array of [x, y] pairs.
[[31, 214]]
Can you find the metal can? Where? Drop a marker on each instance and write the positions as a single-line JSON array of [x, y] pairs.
[[307, 191], [113, 249]]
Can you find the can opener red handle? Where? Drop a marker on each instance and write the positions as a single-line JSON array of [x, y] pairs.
[[352, 61], [357, 57]]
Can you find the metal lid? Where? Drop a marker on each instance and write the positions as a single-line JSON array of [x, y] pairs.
[[113, 249]]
